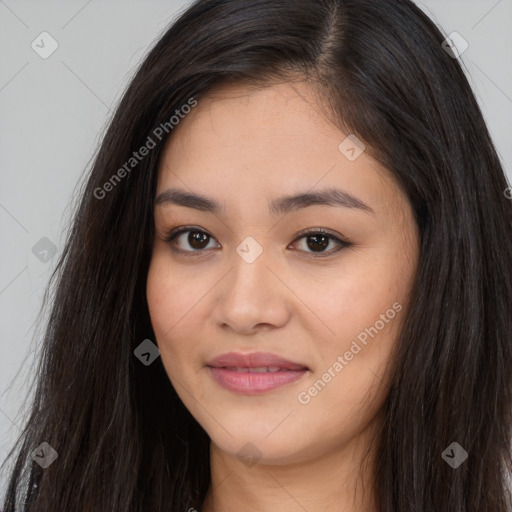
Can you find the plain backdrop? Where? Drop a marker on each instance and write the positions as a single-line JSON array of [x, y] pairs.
[[54, 110]]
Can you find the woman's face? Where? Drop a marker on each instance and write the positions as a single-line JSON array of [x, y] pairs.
[[277, 340]]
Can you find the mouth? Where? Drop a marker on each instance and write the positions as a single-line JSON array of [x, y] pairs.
[[254, 373]]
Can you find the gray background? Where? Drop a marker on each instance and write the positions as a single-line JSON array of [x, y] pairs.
[[53, 112]]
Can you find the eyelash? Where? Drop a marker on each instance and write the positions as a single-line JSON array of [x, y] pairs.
[[172, 234]]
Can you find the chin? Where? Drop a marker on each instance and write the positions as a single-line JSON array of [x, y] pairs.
[[250, 445]]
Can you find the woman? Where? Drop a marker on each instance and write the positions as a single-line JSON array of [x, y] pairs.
[[287, 286]]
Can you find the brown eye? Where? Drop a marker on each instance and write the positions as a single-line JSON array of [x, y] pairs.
[[317, 243], [318, 240], [194, 241], [197, 239]]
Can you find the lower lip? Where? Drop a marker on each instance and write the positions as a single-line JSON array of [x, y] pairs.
[[254, 383]]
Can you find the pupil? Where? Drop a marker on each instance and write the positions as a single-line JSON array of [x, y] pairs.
[[194, 239], [323, 244]]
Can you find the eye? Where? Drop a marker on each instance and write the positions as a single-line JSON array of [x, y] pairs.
[[316, 241], [197, 239]]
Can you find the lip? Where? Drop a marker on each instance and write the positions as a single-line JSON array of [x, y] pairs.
[[234, 371], [254, 360]]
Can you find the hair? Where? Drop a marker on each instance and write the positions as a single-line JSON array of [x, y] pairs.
[[125, 440]]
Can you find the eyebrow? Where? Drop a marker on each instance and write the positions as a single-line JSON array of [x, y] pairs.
[[284, 204]]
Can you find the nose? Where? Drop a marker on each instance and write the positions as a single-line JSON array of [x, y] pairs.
[[252, 296]]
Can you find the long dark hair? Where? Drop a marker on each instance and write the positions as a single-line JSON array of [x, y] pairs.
[[125, 441]]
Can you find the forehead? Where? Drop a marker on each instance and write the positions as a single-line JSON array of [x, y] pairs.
[[240, 117], [246, 139]]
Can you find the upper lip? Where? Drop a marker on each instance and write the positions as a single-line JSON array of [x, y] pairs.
[[254, 360]]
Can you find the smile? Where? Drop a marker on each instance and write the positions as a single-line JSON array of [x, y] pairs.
[[254, 380], [254, 373]]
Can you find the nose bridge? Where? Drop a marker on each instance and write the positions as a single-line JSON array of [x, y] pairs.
[[250, 274], [250, 294]]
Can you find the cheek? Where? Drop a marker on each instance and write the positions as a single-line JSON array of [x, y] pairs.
[[353, 298], [160, 298], [173, 294], [172, 303], [363, 310]]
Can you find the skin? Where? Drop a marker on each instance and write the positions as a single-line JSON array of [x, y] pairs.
[[243, 147]]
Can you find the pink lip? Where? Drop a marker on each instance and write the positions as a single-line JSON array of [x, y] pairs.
[[226, 370]]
